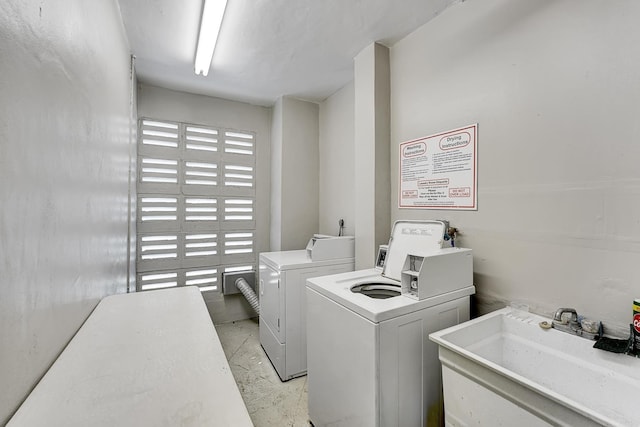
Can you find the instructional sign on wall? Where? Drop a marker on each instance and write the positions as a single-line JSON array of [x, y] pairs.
[[440, 171]]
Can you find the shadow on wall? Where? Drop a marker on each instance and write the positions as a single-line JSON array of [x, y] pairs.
[[502, 19], [483, 303]]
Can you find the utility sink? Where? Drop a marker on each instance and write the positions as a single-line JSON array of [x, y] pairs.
[[504, 369]]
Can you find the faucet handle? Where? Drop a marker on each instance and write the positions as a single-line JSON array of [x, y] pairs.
[[573, 315]]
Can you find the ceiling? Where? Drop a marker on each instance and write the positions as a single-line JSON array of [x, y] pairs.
[[266, 48]]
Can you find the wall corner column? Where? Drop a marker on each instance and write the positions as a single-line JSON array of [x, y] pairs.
[[294, 173], [372, 152]]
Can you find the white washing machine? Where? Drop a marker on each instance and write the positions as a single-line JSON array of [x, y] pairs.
[[369, 359], [282, 278]]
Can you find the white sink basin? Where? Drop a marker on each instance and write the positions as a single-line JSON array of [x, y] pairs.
[[504, 369]]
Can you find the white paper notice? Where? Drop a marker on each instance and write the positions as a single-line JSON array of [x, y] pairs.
[[440, 171]]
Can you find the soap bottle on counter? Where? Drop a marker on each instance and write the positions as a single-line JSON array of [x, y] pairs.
[[636, 326]]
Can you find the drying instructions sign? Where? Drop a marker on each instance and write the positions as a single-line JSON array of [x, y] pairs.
[[440, 171]]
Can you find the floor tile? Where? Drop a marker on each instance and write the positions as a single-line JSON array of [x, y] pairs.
[[270, 402]]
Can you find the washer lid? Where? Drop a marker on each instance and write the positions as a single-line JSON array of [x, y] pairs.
[[411, 237]]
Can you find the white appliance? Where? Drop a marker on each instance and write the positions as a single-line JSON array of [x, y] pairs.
[[282, 278], [369, 359], [322, 247]]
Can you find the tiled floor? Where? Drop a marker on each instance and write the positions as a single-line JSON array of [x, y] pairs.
[[270, 401]]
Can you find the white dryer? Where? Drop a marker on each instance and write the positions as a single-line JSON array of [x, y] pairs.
[[282, 278], [369, 360]]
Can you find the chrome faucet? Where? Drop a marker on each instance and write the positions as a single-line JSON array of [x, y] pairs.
[[570, 323]]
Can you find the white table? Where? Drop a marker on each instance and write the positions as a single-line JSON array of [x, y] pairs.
[[142, 359]]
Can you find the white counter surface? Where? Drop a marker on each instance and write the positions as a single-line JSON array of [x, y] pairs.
[[144, 359]]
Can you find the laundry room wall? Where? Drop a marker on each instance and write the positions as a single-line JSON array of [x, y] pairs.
[[554, 88], [65, 109], [160, 103], [337, 180], [295, 173]]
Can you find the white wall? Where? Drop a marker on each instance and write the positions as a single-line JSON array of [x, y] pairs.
[[276, 177], [296, 186], [159, 103], [372, 140], [337, 185], [64, 161], [554, 88]]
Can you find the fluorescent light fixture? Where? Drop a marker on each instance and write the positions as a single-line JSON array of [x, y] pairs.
[[212, 14]]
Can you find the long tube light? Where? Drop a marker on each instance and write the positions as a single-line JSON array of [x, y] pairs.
[[212, 14]]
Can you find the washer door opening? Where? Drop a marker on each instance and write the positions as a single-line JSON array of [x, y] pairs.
[[377, 290]]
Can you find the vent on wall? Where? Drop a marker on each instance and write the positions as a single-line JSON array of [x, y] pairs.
[[196, 204], [204, 279]]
